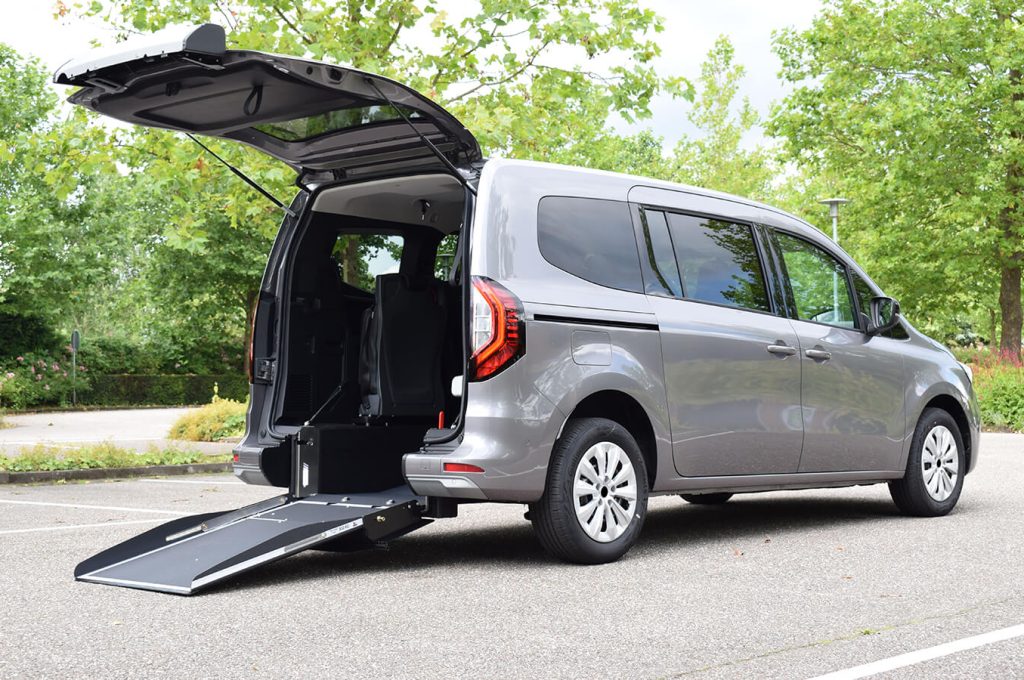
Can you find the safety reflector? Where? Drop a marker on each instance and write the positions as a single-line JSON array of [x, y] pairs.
[[461, 467]]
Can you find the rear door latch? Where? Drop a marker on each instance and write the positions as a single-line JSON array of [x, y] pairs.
[[263, 371]]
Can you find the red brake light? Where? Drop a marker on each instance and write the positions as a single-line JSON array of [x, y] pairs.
[[461, 467], [234, 458], [498, 331]]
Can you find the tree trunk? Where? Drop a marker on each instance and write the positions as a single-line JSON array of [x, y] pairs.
[[1012, 247], [1010, 306], [350, 261]]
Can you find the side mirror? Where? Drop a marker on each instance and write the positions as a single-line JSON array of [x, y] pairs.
[[885, 314]]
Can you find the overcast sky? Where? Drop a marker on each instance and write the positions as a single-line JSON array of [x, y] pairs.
[[691, 27]]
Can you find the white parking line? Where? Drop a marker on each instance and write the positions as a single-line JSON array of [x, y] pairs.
[[922, 655], [80, 526], [176, 513], [192, 481]]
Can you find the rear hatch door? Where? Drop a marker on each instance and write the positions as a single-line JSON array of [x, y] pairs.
[[311, 115]]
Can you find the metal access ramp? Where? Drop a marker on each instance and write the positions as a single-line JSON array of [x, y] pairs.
[[192, 553]]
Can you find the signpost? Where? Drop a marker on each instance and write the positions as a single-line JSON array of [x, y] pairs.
[[76, 340]]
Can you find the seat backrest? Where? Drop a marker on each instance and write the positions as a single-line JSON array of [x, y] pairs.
[[400, 358]]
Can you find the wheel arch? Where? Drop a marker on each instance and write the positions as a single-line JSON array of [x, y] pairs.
[[630, 414], [952, 406]]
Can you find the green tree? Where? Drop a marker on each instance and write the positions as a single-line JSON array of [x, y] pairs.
[[58, 249], [717, 158], [494, 67], [915, 109]]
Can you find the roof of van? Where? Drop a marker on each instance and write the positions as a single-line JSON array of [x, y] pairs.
[[630, 181]]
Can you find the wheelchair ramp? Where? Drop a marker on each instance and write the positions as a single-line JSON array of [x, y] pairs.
[[192, 553]]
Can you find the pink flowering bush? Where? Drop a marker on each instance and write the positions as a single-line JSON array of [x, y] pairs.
[[37, 380]]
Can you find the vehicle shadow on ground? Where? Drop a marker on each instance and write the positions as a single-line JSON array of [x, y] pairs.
[[514, 545]]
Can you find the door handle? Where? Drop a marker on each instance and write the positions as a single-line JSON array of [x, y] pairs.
[[782, 350], [819, 354]]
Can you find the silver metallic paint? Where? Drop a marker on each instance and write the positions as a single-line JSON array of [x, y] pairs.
[[695, 381]]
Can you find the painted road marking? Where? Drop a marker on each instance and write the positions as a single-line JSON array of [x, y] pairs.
[[176, 513], [80, 526], [928, 654]]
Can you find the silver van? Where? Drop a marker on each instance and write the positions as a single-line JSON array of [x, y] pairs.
[[530, 333]]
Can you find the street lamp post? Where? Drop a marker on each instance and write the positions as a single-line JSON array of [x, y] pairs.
[[833, 211]]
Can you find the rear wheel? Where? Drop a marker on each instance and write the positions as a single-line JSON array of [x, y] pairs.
[[596, 497], [934, 478], [706, 498]]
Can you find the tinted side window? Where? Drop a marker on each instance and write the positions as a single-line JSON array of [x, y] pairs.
[[718, 261], [590, 238], [864, 295], [661, 274], [818, 282]]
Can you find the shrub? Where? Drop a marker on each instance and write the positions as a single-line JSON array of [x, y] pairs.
[[220, 419], [104, 455], [162, 390], [115, 355], [24, 333], [34, 379], [999, 384]]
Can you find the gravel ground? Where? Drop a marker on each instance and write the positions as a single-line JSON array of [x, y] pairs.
[[778, 585]]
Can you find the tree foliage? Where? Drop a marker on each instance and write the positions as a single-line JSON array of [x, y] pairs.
[[915, 110], [718, 158], [499, 67]]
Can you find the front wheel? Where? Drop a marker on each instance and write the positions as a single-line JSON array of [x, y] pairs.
[[596, 497], [935, 467]]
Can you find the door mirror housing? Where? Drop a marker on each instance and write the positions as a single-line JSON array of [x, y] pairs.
[[884, 316]]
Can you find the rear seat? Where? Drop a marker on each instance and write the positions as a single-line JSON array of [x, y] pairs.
[[401, 348]]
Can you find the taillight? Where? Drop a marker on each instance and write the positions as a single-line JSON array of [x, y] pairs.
[[498, 331]]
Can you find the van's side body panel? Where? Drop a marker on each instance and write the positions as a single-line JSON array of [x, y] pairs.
[[734, 408], [513, 420]]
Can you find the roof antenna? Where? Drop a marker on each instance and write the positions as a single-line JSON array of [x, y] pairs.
[[243, 176], [437, 152]]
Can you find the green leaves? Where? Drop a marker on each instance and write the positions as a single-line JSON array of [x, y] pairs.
[[912, 109]]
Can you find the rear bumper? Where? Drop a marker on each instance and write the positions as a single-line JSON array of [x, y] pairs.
[[247, 465], [509, 432]]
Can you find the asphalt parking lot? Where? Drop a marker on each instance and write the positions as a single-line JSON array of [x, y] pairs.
[[780, 585]]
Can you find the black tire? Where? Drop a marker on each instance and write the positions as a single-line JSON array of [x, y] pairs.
[[910, 493], [554, 516], [706, 498]]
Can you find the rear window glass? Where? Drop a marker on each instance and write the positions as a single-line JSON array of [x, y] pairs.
[[361, 258], [719, 262], [299, 129], [590, 238]]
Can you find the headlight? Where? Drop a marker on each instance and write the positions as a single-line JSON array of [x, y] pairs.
[[968, 371]]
